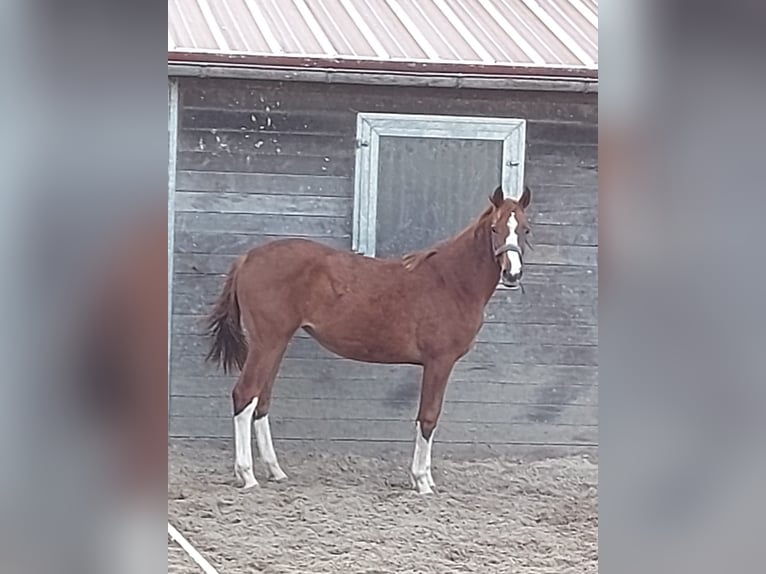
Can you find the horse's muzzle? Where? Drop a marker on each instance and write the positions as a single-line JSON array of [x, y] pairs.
[[510, 280]]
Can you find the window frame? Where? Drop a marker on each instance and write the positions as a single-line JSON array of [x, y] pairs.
[[372, 126]]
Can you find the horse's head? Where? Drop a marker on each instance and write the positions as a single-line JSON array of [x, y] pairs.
[[510, 234]]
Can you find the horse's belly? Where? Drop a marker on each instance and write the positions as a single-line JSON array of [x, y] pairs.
[[367, 345]]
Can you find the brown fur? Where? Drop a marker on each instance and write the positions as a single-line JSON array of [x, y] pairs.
[[373, 310], [413, 260]]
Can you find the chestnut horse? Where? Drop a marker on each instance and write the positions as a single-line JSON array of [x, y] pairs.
[[424, 309]]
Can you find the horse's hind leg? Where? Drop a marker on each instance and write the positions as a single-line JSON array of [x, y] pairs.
[[257, 376], [435, 376], [244, 406], [263, 431]]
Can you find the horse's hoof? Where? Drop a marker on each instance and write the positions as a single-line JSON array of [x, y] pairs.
[[278, 477], [248, 485], [422, 485], [245, 478]]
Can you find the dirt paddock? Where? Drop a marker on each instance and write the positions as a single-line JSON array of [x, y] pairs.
[[356, 514]]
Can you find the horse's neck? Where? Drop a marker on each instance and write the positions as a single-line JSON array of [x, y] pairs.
[[471, 265]]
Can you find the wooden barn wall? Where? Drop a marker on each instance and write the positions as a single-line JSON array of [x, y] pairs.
[[262, 160]]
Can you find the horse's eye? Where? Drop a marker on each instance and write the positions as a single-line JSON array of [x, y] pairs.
[[494, 229]]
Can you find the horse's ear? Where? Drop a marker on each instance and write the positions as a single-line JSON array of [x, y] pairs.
[[497, 197], [526, 198]]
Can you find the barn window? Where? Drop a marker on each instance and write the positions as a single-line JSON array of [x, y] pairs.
[[420, 179]]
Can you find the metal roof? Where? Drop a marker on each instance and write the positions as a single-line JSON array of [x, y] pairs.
[[530, 37]]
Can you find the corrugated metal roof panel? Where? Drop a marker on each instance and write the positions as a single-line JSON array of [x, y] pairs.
[[544, 35]]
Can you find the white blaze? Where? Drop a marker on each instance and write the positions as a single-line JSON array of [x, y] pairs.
[[513, 257]]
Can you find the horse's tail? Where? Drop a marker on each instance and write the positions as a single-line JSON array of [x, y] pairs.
[[229, 347]]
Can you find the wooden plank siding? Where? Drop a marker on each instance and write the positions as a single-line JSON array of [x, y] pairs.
[[259, 160]]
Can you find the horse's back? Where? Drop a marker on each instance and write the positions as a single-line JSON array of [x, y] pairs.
[[295, 246], [312, 257], [295, 270]]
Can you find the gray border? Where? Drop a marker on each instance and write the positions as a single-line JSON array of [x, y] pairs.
[[370, 126], [172, 155]]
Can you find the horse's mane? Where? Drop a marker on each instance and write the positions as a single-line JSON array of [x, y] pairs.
[[412, 261]]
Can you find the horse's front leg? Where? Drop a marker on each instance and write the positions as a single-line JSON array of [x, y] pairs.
[[435, 376]]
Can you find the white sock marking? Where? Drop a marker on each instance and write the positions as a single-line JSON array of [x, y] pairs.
[[266, 448], [243, 446], [421, 462], [429, 476]]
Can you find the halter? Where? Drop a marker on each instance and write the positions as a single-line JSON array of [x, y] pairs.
[[506, 248], [498, 251]]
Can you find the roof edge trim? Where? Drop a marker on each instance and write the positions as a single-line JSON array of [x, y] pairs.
[[508, 81], [378, 65]]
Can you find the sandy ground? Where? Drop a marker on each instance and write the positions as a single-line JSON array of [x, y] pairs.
[[179, 561], [356, 514]]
